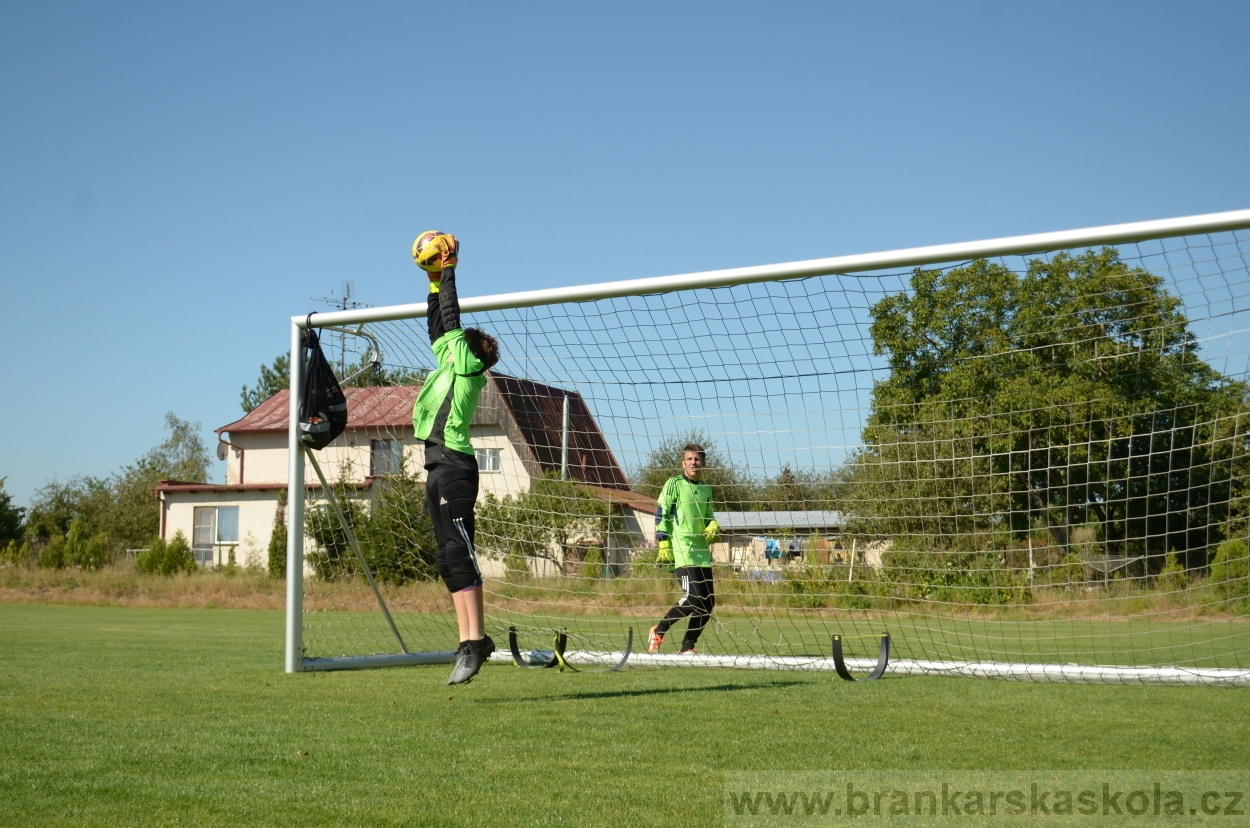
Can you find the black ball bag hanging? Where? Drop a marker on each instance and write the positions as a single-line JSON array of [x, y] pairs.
[[323, 408]]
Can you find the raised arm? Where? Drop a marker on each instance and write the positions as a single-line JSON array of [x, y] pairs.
[[437, 254], [442, 312]]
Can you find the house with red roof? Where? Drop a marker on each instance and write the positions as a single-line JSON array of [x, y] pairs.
[[522, 430]]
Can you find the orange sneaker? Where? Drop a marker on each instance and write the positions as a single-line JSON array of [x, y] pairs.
[[654, 640]]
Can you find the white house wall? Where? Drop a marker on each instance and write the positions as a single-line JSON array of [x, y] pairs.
[[511, 478], [256, 514], [265, 458]]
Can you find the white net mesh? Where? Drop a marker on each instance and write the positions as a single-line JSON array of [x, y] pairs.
[[1009, 465]]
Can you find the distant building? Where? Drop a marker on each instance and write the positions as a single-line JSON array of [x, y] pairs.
[[754, 538], [518, 432]]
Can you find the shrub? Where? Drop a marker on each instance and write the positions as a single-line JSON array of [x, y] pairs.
[[816, 586], [52, 555], [1230, 570], [955, 577], [395, 534], [1172, 578], [277, 540], [162, 558], [13, 554], [86, 552], [592, 564], [149, 560]]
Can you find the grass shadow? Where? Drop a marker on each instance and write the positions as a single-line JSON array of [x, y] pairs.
[[650, 691]]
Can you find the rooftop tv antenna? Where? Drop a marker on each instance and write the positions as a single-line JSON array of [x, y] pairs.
[[345, 301]]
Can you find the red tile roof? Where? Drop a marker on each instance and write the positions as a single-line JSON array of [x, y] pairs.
[[366, 408]]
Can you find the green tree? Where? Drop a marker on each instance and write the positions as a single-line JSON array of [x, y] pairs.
[[11, 517], [134, 518], [1072, 394], [543, 522], [391, 525], [801, 490], [273, 378], [57, 505], [83, 550], [1230, 570], [122, 507]]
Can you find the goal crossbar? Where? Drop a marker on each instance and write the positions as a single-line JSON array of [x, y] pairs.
[[831, 266]]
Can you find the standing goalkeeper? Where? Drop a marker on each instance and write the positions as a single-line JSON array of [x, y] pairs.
[[684, 527], [441, 417]]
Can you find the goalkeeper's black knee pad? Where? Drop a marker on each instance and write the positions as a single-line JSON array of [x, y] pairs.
[[457, 568]]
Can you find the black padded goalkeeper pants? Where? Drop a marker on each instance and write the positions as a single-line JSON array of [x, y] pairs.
[[450, 494], [697, 601]]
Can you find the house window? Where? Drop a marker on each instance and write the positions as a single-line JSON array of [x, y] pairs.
[[227, 524], [213, 526], [203, 534], [386, 457], [488, 460]]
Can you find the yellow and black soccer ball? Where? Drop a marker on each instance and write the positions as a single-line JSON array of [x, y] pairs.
[[435, 250]]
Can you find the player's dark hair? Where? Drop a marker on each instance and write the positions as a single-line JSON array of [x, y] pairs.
[[483, 346], [697, 449]]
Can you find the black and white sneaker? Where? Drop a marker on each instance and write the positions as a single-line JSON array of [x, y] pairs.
[[469, 659]]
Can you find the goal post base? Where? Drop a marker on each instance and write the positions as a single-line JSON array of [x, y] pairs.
[[1011, 671], [368, 662]]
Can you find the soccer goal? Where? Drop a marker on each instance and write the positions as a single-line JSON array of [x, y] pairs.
[[1021, 458]]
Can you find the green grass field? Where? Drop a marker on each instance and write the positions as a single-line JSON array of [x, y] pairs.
[[116, 716]]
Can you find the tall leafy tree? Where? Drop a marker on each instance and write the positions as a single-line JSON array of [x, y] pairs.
[[798, 491], [123, 506], [182, 455], [11, 517], [58, 504], [1071, 395]]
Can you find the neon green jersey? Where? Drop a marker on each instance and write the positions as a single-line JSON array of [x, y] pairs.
[[684, 511], [447, 401]]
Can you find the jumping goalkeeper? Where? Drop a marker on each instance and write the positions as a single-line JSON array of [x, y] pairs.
[[441, 417], [685, 527]]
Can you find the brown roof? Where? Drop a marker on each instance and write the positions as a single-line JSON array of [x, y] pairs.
[[629, 498], [366, 408], [180, 486], [538, 411]]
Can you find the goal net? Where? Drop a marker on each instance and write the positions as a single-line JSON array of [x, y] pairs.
[[1020, 458]]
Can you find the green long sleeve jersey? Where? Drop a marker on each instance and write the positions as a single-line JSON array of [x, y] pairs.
[[684, 511], [448, 398]]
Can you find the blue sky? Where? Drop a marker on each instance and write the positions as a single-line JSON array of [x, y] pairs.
[[178, 179]]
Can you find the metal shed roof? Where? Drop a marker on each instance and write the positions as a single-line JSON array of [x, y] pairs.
[[798, 521]]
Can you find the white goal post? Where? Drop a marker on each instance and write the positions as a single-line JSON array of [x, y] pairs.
[[1025, 457]]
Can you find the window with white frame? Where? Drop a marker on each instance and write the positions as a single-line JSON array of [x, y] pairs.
[[488, 460], [386, 457], [214, 527], [203, 534]]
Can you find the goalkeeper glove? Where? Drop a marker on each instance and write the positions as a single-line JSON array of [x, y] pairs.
[[711, 531], [665, 555]]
